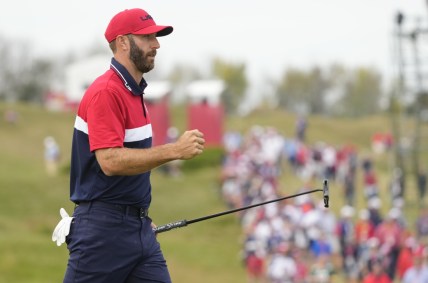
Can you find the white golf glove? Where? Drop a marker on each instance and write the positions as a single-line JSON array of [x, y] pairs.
[[62, 228]]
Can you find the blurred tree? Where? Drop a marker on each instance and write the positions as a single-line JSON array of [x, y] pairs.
[[183, 73], [420, 101], [292, 89], [362, 94], [318, 87], [235, 80], [179, 77], [22, 77], [34, 81], [300, 90], [337, 76], [334, 90], [5, 71]]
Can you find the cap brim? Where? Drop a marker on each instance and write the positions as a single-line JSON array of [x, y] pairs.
[[159, 30]]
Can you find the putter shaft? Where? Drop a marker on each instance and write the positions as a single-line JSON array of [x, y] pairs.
[[182, 223]]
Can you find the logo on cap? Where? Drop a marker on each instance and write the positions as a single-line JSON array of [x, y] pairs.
[[147, 17]]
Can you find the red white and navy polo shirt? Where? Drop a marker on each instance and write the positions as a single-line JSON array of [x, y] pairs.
[[111, 114]]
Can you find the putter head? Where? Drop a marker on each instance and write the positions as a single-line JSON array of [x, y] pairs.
[[325, 193]]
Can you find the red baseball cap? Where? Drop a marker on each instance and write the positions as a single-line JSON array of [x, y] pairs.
[[134, 21]]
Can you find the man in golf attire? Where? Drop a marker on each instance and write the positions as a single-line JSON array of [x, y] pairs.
[[111, 238]]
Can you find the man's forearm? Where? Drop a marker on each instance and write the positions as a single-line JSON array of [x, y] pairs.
[[129, 161]]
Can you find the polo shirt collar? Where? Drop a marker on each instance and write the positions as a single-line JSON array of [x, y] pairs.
[[128, 80]]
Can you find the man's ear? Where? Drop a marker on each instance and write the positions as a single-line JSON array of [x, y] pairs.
[[122, 42]]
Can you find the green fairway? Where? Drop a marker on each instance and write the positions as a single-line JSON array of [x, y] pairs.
[[30, 202], [208, 251]]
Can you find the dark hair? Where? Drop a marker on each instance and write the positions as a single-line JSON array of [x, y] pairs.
[[113, 46]]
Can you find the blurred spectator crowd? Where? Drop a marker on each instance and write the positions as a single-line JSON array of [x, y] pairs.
[[298, 240]]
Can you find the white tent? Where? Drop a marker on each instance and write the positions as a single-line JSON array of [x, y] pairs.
[[156, 90], [79, 75], [205, 90]]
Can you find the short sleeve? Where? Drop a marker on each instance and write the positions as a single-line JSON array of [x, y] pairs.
[[106, 122]]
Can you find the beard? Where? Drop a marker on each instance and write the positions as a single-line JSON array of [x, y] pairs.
[[137, 56]]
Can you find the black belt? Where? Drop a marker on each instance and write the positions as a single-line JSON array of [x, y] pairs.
[[125, 209]]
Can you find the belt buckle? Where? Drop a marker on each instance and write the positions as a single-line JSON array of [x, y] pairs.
[[143, 212]]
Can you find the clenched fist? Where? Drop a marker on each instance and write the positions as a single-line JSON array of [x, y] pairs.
[[190, 144]]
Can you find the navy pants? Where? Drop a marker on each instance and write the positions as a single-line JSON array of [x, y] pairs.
[[112, 245]]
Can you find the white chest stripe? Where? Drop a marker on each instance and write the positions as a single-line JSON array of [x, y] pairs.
[[131, 135]]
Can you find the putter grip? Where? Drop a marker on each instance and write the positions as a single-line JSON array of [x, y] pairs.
[[170, 226]]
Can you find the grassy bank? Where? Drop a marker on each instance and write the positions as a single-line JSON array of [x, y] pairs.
[[30, 199]]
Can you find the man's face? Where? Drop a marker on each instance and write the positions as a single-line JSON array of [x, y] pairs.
[[142, 61]]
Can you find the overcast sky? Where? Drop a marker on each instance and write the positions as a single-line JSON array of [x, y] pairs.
[[267, 35]]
